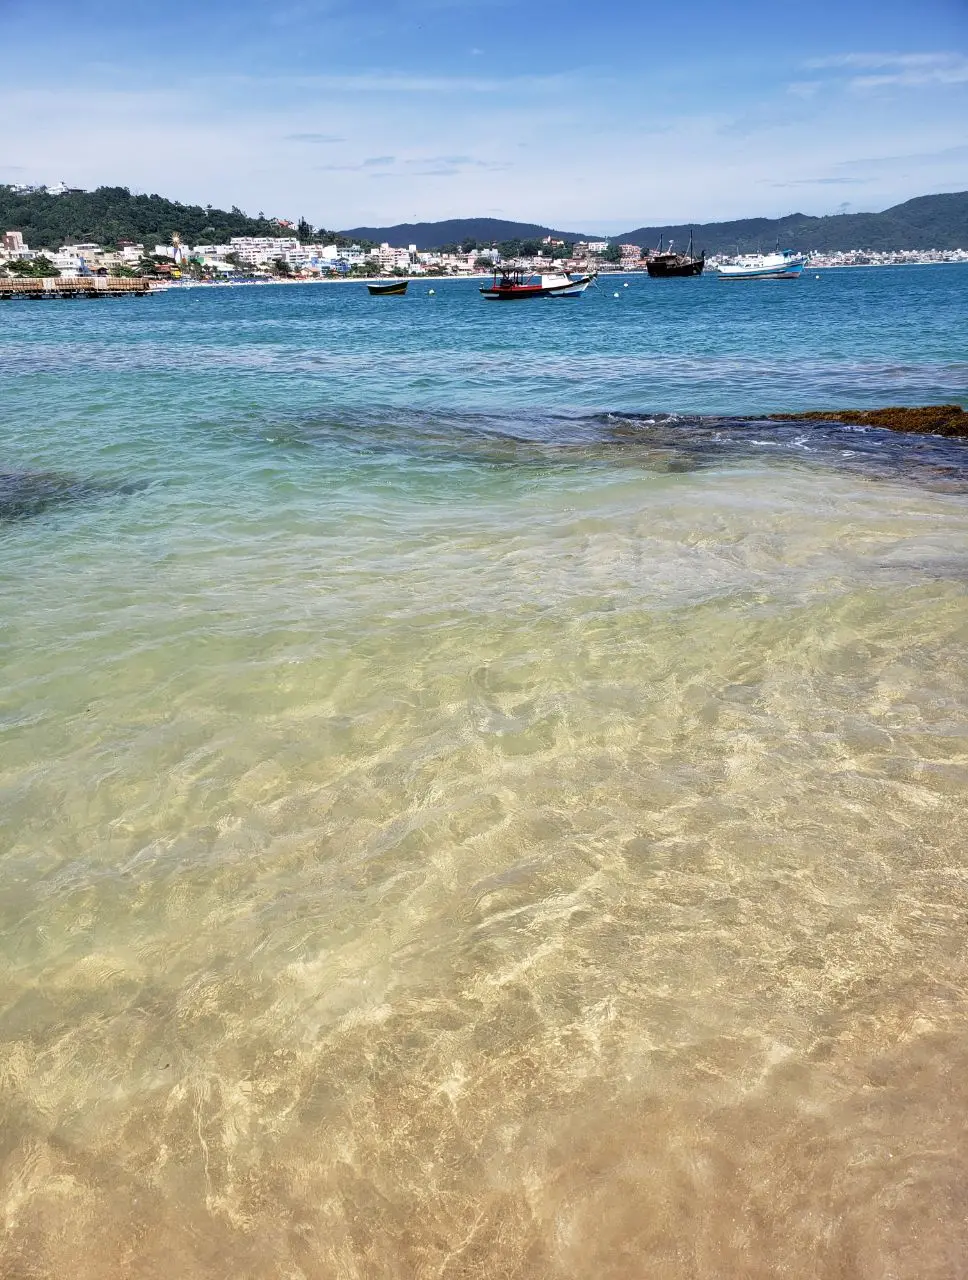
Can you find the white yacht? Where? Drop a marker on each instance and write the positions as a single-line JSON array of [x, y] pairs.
[[782, 264]]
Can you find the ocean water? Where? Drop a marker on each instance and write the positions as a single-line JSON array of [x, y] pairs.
[[476, 799]]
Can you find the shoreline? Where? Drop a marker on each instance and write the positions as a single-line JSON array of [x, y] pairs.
[[486, 275]]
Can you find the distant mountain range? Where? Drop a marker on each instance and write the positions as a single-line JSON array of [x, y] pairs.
[[110, 214], [927, 222], [433, 235]]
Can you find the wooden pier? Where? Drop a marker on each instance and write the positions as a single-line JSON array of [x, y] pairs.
[[75, 287]]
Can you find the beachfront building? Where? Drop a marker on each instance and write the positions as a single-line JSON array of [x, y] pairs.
[[393, 259], [69, 262], [262, 251], [13, 248], [352, 257]]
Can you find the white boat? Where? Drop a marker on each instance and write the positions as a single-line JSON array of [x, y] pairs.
[[782, 264], [558, 285], [515, 283]]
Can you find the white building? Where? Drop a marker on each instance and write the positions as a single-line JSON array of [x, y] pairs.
[[67, 262], [76, 259], [262, 251]]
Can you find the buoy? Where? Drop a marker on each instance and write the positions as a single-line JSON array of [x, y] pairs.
[[816, 277], [614, 295], [431, 292], [626, 284]]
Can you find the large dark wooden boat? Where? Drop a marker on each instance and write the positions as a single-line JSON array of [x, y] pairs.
[[392, 288], [664, 263]]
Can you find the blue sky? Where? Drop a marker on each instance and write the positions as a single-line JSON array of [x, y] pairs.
[[587, 119]]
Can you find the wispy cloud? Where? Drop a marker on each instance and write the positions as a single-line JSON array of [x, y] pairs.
[[903, 70], [892, 162], [313, 137], [867, 169], [393, 82], [876, 60], [415, 166], [453, 163], [823, 182]]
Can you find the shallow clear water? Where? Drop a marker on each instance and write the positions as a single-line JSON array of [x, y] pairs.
[[458, 819]]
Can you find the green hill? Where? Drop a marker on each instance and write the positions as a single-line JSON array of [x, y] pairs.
[[480, 231], [110, 214], [926, 222]]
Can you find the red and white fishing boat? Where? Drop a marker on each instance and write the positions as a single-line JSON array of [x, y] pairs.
[[513, 284]]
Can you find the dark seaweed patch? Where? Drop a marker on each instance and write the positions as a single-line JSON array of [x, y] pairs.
[[27, 494], [929, 419]]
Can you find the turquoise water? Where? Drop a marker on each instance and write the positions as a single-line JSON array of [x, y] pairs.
[[475, 799]]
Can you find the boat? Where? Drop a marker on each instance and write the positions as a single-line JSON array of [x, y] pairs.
[[781, 264], [664, 263], [513, 284], [390, 289]]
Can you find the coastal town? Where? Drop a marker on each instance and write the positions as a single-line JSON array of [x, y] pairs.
[[288, 250], [285, 256]]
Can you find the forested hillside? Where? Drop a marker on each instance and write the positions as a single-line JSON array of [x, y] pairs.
[[927, 222], [473, 232], [110, 214]]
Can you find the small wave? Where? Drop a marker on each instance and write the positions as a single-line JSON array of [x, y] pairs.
[[663, 442]]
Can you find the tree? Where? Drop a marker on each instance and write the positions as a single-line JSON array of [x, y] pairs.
[[517, 248], [34, 268], [304, 230], [612, 254], [281, 267]]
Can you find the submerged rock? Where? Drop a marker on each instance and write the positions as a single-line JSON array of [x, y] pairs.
[[930, 419], [25, 494]]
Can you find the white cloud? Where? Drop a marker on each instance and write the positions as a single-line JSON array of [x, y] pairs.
[[877, 60], [393, 82], [903, 70], [511, 142]]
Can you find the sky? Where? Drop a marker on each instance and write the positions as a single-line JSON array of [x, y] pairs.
[[373, 112]]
